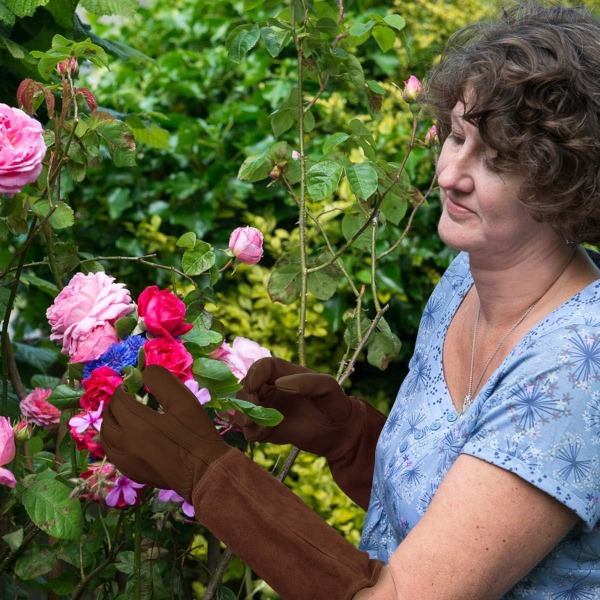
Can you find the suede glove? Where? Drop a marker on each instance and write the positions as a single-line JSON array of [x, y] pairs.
[[319, 417], [258, 517]]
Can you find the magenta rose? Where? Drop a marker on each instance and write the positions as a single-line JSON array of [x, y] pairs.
[[83, 314], [246, 244], [88, 440], [240, 355], [38, 410], [163, 312], [170, 354], [99, 387], [22, 149]]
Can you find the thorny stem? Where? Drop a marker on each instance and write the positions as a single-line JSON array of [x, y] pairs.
[[374, 223]]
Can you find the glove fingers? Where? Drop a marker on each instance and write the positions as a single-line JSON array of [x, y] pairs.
[[267, 370], [322, 389], [172, 394], [110, 432]]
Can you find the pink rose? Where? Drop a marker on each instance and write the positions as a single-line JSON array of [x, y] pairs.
[[412, 89], [7, 452], [163, 312], [170, 354], [22, 150], [246, 243], [38, 410], [431, 137], [240, 356], [83, 314], [99, 387]]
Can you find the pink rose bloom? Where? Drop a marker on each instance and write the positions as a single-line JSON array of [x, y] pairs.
[[7, 452], [240, 356], [38, 410], [163, 312], [22, 149], [83, 314], [99, 387], [431, 137], [246, 244], [412, 89], [170, 354]]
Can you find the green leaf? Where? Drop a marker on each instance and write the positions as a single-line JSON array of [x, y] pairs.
[[24, 8], [274, 39], [350, 226], [241, 40], [283, 119], [42, 284], [225, 593], [49, 505], [322, 284], [124, 326], [202, 337], [393, 208], [362, 178], [44, 381], [250, 4], [62, 217], [37, 561], [187, 240], [255, 168], [284, 282], [198, 259], [125, 8], [64, 396], [40, 358], [268, 417], [374, 86], [384, 37], [355, 71], [395, 21], [334, 140], [120, 141], [150, 134], [360, 29], [14, 539], [215, 375], [7, 16], [16, 50], [322, 179], [133, 379], [382, 346]]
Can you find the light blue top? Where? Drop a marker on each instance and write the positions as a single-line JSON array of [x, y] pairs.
[[537, 416]]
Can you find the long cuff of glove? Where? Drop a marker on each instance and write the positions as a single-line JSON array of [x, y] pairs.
[[287, 544], [353, 469]]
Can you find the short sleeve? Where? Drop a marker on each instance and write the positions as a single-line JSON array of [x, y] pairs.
[[539, 417]]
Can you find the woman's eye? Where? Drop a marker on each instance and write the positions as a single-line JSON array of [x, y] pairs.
[[455, 138]]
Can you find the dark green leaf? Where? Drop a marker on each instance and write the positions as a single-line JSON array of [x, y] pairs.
[[37, 561], [284, 283], [394, 208], [384, 37], [241, 40], [42, 284], [334, 140], [322, 179], [41, 358], [362, 178], [255, 168], [215, 375], [64, 396], [322, 284], [283, 119], [124, 326], [268, 417], [274, 39], [203, 337], [350, 226], [62, 216]]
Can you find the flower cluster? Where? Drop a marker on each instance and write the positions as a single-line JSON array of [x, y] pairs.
[[84, 319]]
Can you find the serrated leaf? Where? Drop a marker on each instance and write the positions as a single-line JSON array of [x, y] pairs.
[[267, 417], [273, 39], [24, 8], [202, 337], [152, 135], [350, 226], [395, 21], [62, 217], [49, 505], [198, 259], [360, 29], [255, 168], [42, 284], [309, 121], [215, 375], [37, 561], [355, 71], [125, 8], [282, 120], [322, 179], [382, 346], [7, 16], [241, 40], [322, 285], [362, 178], [16, 51], [384, 37], [41, 358], [284, 283], [64, 396]]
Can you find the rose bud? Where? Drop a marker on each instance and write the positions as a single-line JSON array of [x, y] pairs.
[[246, 244], [412, 89]]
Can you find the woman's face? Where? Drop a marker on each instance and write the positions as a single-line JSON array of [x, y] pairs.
[[481, 213]]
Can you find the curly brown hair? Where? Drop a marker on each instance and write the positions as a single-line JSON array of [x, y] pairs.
[[530, 82]]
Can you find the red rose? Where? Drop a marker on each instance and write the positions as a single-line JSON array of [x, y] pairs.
[[162, 312], [170, 354], [89, 440], [99, 387]]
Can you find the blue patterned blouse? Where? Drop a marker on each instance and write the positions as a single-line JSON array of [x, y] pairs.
[[538, 416]]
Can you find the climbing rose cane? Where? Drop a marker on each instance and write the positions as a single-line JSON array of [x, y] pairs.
[[246, 244], [22, 150]]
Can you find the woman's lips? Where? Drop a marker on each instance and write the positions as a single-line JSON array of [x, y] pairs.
[[455, 209]]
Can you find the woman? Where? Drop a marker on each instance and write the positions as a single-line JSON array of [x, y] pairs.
[[487, 477]]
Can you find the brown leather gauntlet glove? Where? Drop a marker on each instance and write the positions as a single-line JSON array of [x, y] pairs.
[[318, 417], [258, 517]]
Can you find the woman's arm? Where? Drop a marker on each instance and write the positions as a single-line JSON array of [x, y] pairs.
[[484, 530]]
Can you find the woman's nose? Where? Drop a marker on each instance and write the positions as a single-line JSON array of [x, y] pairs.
[[454, 170]]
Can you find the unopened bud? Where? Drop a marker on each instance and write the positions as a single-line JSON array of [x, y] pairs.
[[67, 66], [275, 173], [22, 431], [412, 89], [431, 137]]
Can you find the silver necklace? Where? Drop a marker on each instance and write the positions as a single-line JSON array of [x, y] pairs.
[[468, 400], [469, 397]]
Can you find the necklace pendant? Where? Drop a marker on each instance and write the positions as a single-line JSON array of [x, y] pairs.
[[466, 403]]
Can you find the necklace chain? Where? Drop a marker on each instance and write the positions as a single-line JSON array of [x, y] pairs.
[[468, 399]]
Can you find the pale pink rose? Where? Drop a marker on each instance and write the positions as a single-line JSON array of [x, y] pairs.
[[38, 410], [202, 394], [246, 244], [83, 314], [22, 149], [7, 441], [240, 355], [412, 89], [431, 137], [7, 478]]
